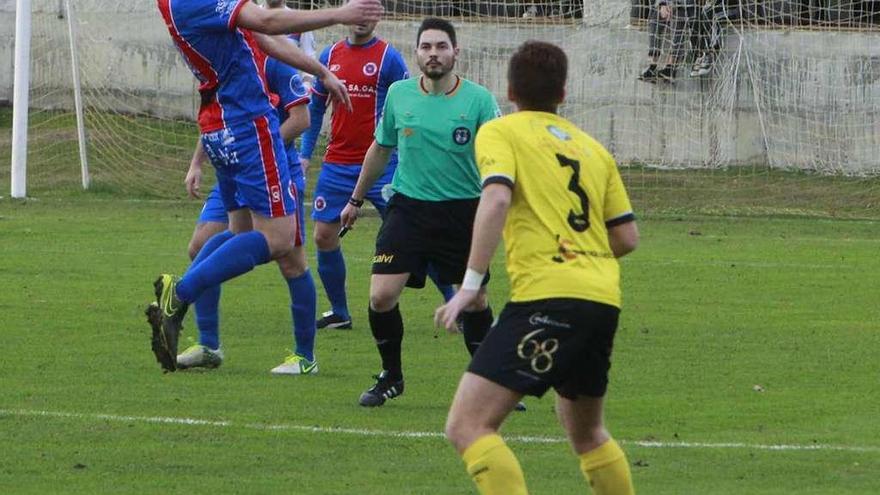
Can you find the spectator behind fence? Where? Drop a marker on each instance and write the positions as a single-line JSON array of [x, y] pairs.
[[708, 32], [670, 22]]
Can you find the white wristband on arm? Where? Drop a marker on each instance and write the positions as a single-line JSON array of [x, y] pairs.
[[473, 280]]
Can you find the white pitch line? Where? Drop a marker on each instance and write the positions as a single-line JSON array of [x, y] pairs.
[[421, 434], [739, 445]]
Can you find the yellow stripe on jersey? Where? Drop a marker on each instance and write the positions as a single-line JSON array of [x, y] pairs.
[[567, 192]]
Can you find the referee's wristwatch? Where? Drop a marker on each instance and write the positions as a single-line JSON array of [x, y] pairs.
[[357, 203]]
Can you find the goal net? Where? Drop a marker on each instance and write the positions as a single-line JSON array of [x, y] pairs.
[[137, 98], [787, 110]]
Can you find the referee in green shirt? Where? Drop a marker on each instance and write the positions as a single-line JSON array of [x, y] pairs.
[[432, 120]]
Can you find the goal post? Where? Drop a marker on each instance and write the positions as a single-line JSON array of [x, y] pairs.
[[77, 96], [21, 88]]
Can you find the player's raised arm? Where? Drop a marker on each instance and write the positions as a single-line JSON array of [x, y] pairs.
[[317, 109], [280, 48], [284, 21]]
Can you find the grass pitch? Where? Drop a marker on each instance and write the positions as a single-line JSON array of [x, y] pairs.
[[746, 362]]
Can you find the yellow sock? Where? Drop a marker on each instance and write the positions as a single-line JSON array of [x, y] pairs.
[[493, 467], [607, 470]]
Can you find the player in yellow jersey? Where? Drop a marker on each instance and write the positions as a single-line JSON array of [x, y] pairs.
[[558, 197]]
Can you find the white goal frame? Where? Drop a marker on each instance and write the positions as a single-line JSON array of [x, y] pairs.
[[21, 94]]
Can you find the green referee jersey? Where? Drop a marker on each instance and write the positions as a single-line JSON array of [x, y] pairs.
[[434, 136]]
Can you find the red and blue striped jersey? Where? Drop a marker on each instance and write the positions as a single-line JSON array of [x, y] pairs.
[[224, 58], [286, 83], [368, 71]]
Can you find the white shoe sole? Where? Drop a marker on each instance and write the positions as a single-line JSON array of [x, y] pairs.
[[292, 370], [214, 361]]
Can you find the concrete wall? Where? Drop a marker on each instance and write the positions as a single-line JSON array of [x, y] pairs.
[[804, 99], [7, 43]]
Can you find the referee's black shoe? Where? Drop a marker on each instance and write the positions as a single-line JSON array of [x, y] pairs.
[[384, 389]]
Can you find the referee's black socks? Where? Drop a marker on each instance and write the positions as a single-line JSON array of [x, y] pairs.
[[475, 326], [387, 329]]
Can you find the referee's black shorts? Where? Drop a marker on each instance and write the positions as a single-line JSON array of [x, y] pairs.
[[417, 233]]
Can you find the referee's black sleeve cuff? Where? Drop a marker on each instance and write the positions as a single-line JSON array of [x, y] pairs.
[[498, 179], [629, 217]]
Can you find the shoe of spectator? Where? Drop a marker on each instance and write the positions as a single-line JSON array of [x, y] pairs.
[[701, 70], [666, 74], [696, 67], [703, 66], [649, 75], [710, 57]]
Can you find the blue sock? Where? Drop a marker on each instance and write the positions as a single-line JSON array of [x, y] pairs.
[[303, 305], [211, 245], [208, 317], [207, 314], [331, 269], [446, 290], [234, 257]]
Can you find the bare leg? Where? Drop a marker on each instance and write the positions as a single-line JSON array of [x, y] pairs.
[[602, 462], [478, 409]]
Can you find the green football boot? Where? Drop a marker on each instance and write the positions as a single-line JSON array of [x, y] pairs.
[[166, 318]]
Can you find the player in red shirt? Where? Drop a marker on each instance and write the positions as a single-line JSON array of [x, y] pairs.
[[368, 65], [240, 134]]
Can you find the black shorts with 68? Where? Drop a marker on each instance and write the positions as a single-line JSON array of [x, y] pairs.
[[561, 343]]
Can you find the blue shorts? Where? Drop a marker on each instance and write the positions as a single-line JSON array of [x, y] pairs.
[[252, 169], [335, 185], [214, 211]]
